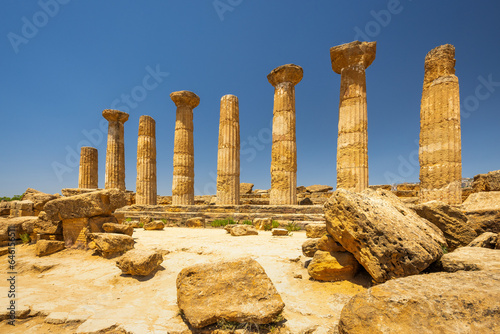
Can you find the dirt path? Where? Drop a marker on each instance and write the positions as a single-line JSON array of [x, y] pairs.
[[92, 294]]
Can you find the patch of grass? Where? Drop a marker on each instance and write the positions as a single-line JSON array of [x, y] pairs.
[[275, 224], [25, 238], [222, 222], [247, 222], [445, 249], [128, 219], [292, 227], [141, 224], [164, 220]]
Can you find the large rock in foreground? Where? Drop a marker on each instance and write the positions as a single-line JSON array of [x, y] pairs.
[[97, 203], [387, 238], [451, 221], [139, 262], [237, 290], [446, 303]]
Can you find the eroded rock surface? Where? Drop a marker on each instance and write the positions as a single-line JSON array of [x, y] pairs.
[[334, 266], [139, 262]]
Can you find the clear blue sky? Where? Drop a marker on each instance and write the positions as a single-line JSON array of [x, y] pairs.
[[62, 64]]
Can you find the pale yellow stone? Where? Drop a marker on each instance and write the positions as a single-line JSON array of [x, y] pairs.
[[350, 61], [284, 149], [440, 140]]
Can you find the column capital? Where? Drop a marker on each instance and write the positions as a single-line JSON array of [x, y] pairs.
[[115, 115], [185, 98], [354, 53], [285, 73], [439, 62]]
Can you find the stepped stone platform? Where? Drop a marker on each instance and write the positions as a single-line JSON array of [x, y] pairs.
[[179, 213]]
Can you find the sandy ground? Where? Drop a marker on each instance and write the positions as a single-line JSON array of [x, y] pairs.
[[86, 293]]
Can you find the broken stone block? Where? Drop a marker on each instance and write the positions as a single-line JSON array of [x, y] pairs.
[[334, 266], [139, 262], [47, 247]]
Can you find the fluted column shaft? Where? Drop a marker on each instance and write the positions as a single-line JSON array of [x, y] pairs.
[[440, 152], [88, 171], [183, 179], [146, 162], [284, 149], [350, 61], [228, 159], [115, 152]]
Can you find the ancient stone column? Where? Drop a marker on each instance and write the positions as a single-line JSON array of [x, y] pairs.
[[115, 152], [146, 162], [228, 159], [284, 149], [440, 152], [87, 177], [183, 181], [350, 61]]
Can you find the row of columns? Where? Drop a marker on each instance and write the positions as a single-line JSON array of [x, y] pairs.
[[440, 144]]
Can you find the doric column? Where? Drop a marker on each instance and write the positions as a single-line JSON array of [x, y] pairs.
[[350, 61], [440, 152], [183, 180], [146, 162], [228, 159], [115, 152], [87, 177], [284, 150]]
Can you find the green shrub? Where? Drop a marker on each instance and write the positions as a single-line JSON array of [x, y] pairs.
[[292, 227], [222, 222], [25, 238], [13, 198], [128, 219], [275, 224], [445, 249], [141, 224], [247, 222], [164, 220]]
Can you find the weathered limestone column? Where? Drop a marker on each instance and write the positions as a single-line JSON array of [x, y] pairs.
[[440, 152], [88, 173], [183, 181], [146, 162], [115, 152], [350, 61], [228, 159], [284, 150]]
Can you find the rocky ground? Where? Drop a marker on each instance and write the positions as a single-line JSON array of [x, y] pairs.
[[74, 291]]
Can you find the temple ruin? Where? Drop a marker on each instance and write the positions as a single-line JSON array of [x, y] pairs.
[[115, 152], [440, 152]]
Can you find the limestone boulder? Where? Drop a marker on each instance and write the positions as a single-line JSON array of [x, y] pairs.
[[14, 224], [447, 303], [241, 230], [470, 259], [387, 238], [450, 220], [334, 266], [328, 244], [21, 208], [315, 230], [111, 244], [237, 290], [38, 198], [97, 203], [4, 208], [195, 222], [262, 223], [485, 240], [118, 228], [301, 189], [318, 188], [279, 232], [47, 247], [139, 262], [483, 211], [96, 224], [246, 188], [154, 225], [487, 182], [310, 247], [44, 225]]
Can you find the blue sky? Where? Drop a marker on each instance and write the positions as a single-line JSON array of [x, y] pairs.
[[63, 62]]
